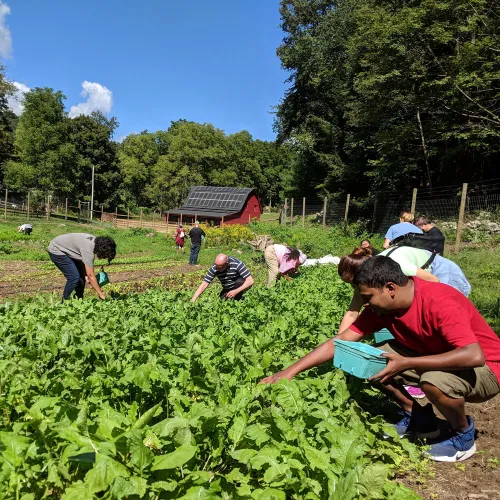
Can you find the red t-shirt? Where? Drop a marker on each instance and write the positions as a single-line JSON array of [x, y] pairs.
[[440, 319]]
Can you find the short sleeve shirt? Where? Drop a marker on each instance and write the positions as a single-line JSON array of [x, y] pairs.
[[440, 319], [401, 228], [78, 246], [236, 269], [410, 259]]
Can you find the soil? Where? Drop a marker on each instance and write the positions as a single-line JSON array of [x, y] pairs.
[[475, 479], [29, 278]]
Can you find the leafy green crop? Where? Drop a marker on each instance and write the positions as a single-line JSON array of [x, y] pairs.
[[150, 396]]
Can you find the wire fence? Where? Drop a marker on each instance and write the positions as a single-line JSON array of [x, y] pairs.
[[466, 206]]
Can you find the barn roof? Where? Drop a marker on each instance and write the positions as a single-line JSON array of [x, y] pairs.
[[214, 201]]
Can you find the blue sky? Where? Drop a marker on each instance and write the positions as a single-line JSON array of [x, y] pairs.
[[151, 62]]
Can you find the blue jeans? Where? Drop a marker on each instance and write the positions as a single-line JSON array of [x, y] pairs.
[[450, 274], [195, 250], [74, 272]]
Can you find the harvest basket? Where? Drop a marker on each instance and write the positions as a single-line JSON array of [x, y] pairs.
[[102, 278], [360, 360], [382, 336]]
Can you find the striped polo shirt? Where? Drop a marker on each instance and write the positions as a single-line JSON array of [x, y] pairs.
[[227, 278]]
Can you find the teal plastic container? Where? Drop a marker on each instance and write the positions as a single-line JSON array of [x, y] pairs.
[[360, 360], [102, 278], [382, 336]]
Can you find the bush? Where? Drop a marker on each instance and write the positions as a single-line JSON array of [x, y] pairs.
[[229, 235]]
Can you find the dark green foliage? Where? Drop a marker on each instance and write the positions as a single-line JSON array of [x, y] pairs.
[[148, 396]]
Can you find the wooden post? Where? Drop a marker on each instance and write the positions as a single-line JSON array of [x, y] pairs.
[[48, 206], [222, 222], [141, 218], [102, 216], [116, 213], [461, 217], [66, 210], [303, 211], [347, 207], [181, 219], [5, 205], [249, 218], [374, 213], [128, 216], [168, 217], [324, 212], [414, 201], [291, 211], [28, 204], [79, 210], [285, 208]]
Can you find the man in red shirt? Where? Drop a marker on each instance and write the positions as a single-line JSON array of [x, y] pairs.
[[441, 344]]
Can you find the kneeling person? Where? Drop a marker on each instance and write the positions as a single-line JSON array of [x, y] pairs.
[[442, 345], [233, 275]]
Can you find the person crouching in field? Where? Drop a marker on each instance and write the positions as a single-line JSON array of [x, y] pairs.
[[282, 261], [441, 344], [403, 227], [25, 229], [233, 275], [74, 253]]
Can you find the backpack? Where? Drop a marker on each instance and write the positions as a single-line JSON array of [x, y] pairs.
[[415, 240]]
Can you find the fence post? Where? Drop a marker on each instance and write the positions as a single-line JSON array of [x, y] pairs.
[[66, 210], [303, 211], [168, 217], [414, 201], [79, 210], [28, 204], [128, 216], [291, 212], [102, 216], [285, 208], [5, 206], [181, 219], [347, 207], [48, 206], [141, 218], [324, 212], [461, 217], [374, 216], [222, 222]]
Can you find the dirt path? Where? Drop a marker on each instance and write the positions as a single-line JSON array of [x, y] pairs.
[[29, 278], [477, 478]]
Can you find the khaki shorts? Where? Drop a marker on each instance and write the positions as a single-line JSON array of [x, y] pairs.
[[474, 385], [272, 264]]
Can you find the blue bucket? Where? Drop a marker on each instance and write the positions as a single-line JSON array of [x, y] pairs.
[[360, 360], [382, 336]]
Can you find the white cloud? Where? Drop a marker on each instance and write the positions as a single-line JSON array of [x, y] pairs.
[[99, 98], [15, 101], [5, 36]]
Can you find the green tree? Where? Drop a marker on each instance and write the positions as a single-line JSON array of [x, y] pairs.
[[91, 137], [46, 158]]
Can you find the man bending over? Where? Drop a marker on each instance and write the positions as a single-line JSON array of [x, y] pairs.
[[441, 344], [233, 275]]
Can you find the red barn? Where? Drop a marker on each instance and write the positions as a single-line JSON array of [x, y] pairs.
[[218, 204]]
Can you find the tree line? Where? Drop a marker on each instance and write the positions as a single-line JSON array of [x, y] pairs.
[[45, 149], [384, 95], [391, 94]]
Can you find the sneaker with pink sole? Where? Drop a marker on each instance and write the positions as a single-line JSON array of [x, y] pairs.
[[415, 392]]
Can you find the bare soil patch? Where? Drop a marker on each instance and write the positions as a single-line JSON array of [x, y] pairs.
[[28, 278], [477, 478]]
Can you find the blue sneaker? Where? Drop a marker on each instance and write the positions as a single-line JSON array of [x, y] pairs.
[[457, 447], [420, 424]]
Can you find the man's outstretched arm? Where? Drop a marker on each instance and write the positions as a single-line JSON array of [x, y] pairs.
[[318, 356], [199, 290]]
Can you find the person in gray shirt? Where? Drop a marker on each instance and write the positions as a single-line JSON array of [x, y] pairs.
[[73, 254]]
